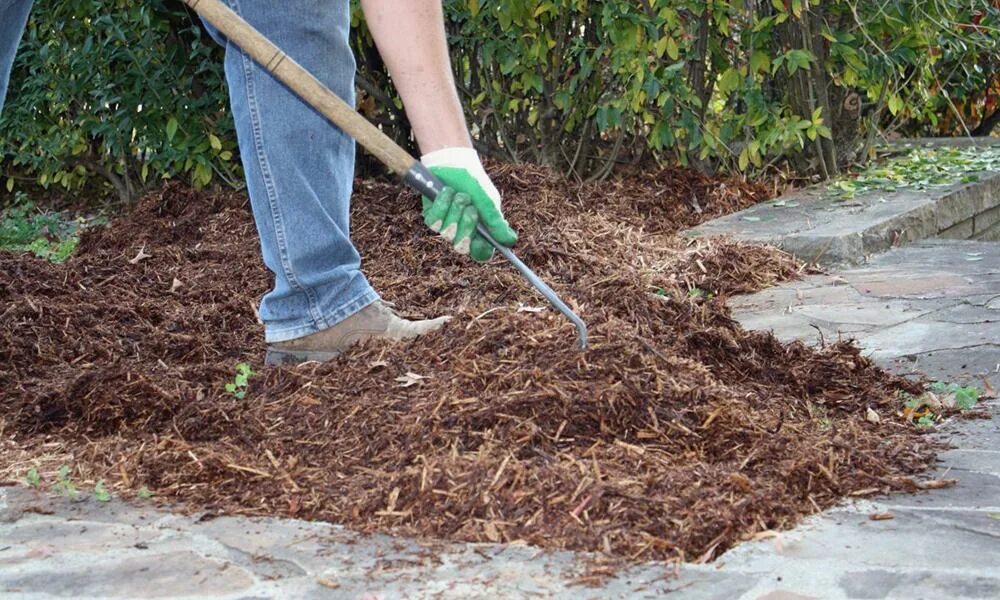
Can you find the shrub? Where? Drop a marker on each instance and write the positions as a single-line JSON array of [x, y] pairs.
[[738, 85], [134, 92], [126, 91]]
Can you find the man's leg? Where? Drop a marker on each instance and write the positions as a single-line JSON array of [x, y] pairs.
[[13, 16], [299, 168]]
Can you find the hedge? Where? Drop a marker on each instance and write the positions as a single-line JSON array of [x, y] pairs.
[[133, 92]]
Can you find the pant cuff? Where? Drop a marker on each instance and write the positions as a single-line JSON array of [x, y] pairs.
[[273, 335]]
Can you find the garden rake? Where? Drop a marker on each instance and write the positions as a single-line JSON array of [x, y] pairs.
[[322, 98]]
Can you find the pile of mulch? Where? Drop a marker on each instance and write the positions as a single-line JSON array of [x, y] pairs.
[[676, 435]]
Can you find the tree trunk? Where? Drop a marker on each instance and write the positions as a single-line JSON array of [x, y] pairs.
[[811, 88], [987, 125]]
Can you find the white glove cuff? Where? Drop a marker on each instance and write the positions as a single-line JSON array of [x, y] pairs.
[[463, 158]]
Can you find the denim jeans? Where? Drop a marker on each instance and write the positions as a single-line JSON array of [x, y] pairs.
[[13, 16], [299, 168]]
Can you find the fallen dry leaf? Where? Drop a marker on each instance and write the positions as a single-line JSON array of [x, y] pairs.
[[988, 391], [936, 484], [491, 531], [523, 308], [765, 535], [410, 379], [741, 481], [909, 483], [140, 256], [328, 583]]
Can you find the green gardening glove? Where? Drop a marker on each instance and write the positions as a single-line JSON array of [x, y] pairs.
[[469, 198]]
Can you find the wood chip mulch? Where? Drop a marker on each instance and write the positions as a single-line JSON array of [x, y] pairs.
[[675, 436]]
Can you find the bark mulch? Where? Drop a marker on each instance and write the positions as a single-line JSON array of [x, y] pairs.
[[676, 435]]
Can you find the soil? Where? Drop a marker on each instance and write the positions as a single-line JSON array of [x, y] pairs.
[[676, 435]]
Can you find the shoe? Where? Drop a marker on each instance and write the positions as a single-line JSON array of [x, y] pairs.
[[375, 321]]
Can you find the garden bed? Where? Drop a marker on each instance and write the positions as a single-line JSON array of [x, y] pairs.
[[676, 435]]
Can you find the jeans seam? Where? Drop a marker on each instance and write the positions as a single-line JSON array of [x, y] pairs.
[[272, 196]]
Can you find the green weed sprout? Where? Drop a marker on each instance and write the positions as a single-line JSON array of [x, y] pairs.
[[64, 484], [101, 494], [241, 382], [33, 478]]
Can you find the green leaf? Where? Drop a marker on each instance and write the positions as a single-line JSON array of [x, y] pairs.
[[759, 61], [101, 494], [798, 59], [895, 104], [172, 126], [729, 81], [966, 397], [673, 51], [33, 479]]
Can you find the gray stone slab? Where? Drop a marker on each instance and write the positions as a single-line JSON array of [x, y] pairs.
[[817, 227], [964, 313], [943, 539], [989, 234], [979, 461], [53, 549], [797, 328], [978, 434], [985, 220], [915, 338], [874, 314], [881, 583], [176, 574], [966, 366], [926, 285], [963, 230], [978, 492], [939, 256]]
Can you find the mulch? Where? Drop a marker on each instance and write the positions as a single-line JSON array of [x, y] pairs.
[[675, 436]]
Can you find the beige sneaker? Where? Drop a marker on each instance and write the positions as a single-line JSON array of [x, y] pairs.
[[375, 321]]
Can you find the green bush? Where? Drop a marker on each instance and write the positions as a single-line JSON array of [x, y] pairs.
[[730, 84], [133, 92], [129, 92]]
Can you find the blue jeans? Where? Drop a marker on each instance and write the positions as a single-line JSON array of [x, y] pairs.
[[299, 168], [13, 16]]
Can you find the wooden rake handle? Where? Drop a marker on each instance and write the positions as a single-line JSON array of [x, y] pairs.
[[319, 96]]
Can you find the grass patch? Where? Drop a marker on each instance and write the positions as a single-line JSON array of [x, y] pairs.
[[26, 228]]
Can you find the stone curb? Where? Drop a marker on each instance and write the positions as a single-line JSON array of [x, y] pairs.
[[818, 228]]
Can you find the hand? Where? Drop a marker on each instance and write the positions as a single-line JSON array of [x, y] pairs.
[[469, 198]]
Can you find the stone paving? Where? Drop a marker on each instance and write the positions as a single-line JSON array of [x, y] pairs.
[[821, 228], [931, 307]]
